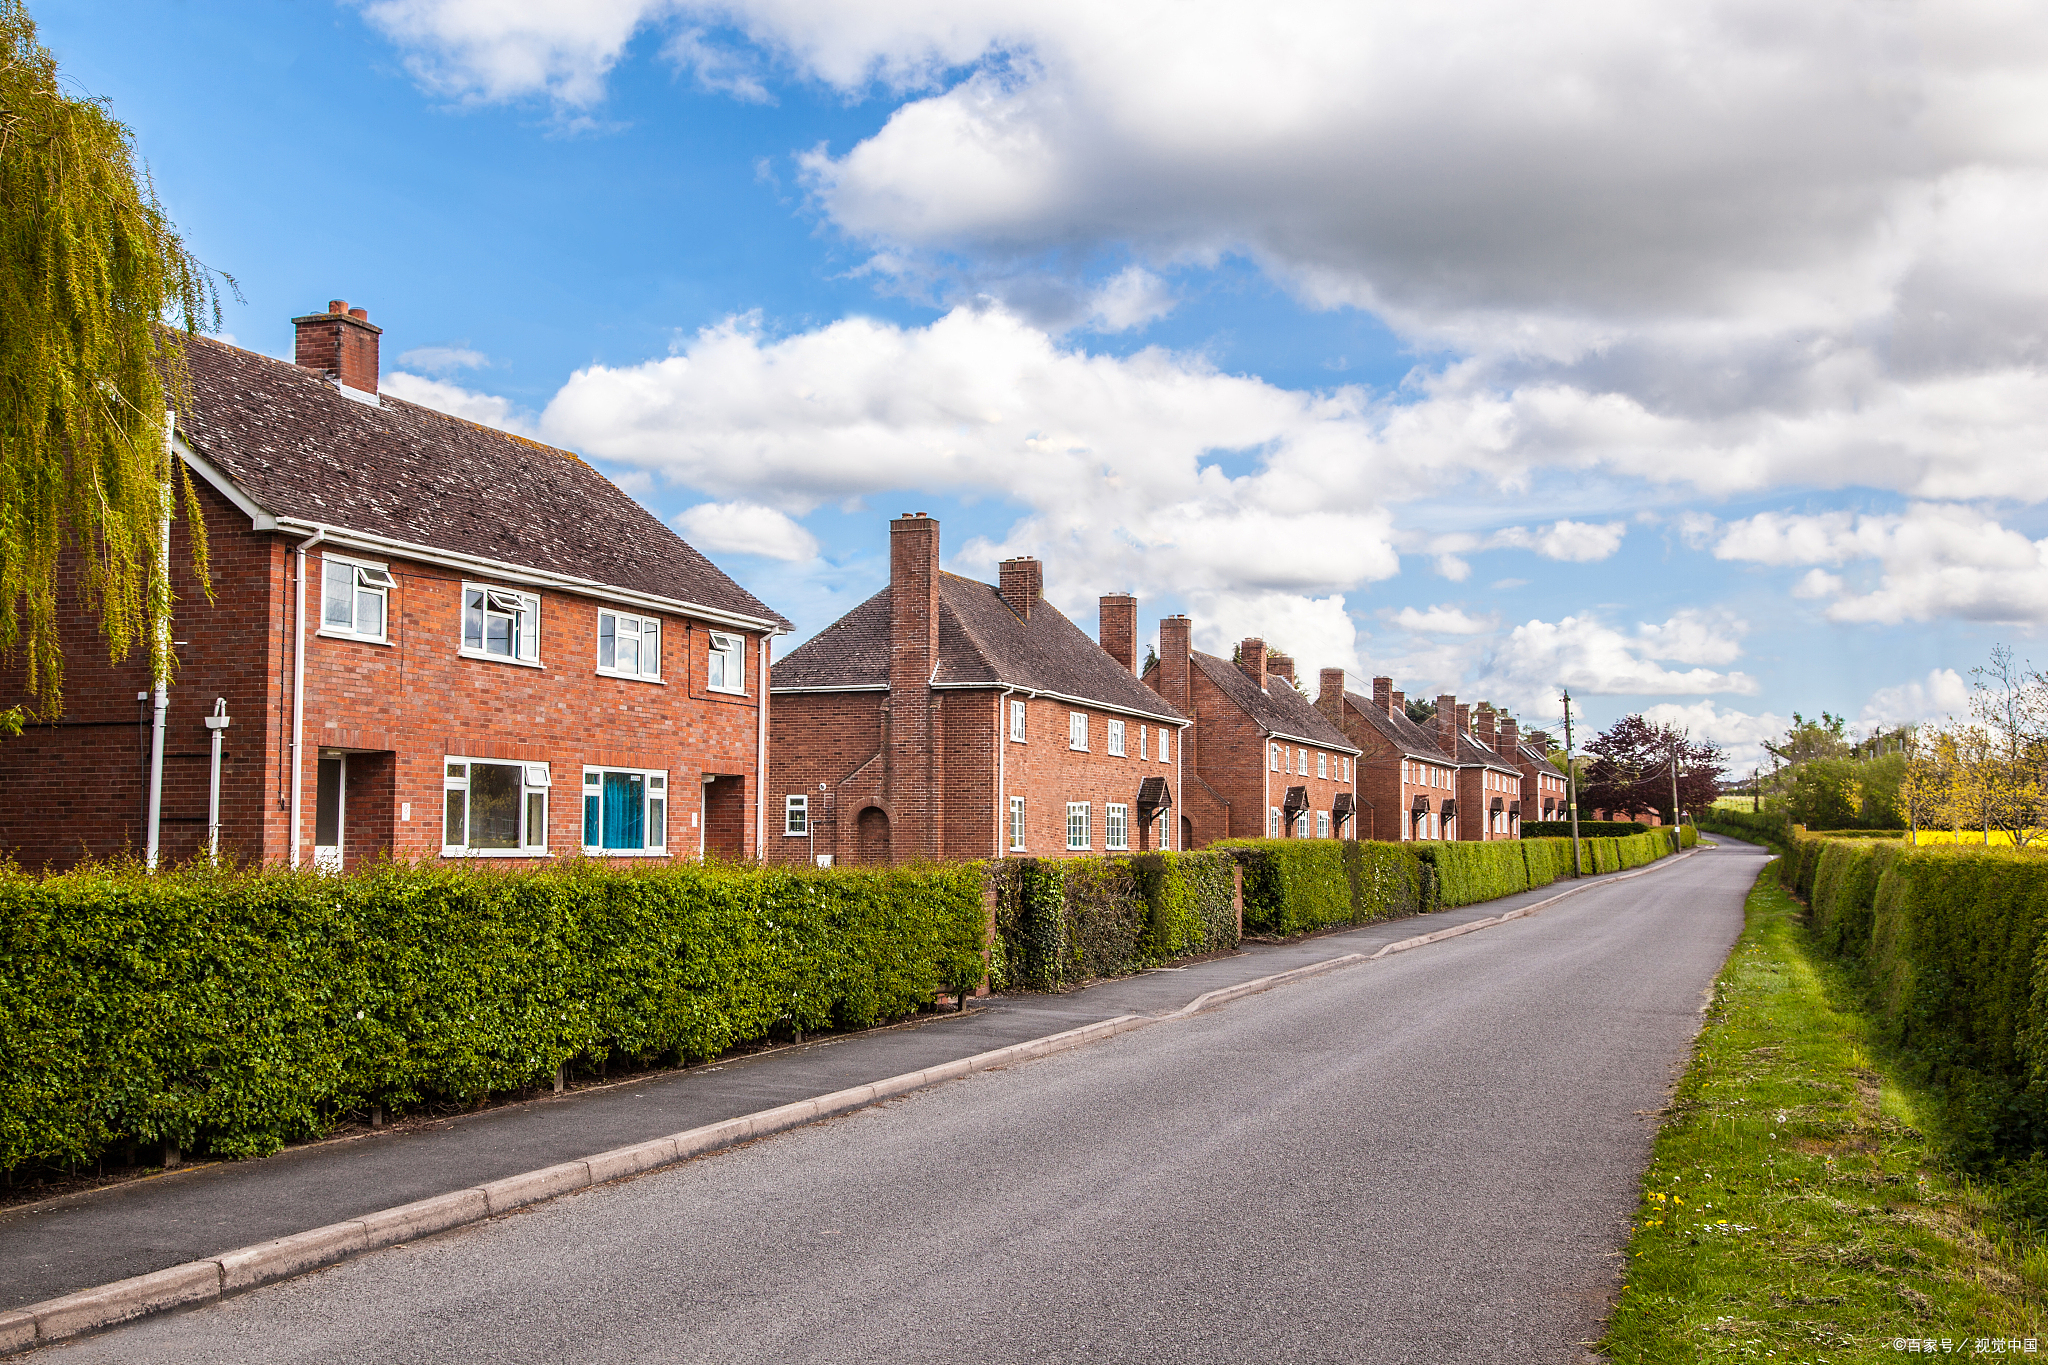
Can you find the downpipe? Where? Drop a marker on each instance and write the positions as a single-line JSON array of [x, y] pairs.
[[299, 692]]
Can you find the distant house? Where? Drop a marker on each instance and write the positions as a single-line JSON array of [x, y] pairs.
[[1489, 783], [1406, 782], [1262, 762], [1545, 793], [429, 638], [948, 718]]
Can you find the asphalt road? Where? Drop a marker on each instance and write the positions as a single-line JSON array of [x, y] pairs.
[[1429, 1158]]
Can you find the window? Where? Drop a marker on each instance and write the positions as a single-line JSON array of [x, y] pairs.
[[1017, 721], [1304, 762], [1077, 730], [1287, 757], [796, 813], [1322, 765], [1273, 757], [495, 809], [628, 646], [1162, 746], [1322, 824], [499, 623], [725, 667], [1016, 824], [1116, 738], [1144, 742], [1078, 833], [354, 598], [625, 810], [1272, 822], [1116, 827], [1301, 825]]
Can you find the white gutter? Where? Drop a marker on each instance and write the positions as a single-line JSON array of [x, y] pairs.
[[299, 691], [160, 650], [761, 763], [1153, 716], [1002, 770]]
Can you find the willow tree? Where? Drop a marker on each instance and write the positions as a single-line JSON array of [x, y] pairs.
[[95, 285]]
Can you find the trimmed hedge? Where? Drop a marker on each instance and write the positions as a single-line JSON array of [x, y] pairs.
[[1588, 829], [1765, 827], [1292, 886], [1059, 922], [1479, 871], [230, 1011]]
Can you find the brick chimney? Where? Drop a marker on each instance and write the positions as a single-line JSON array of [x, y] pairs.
[[1281, 664], [1510, 739], [1397, 703], [1330, 695], [1447, 723], [1484, 730], [340, 343], [1171, 681], [1383, 695], [913, 653], [1251, 657], [1116, 624], [1464, 720], [1021, 584]]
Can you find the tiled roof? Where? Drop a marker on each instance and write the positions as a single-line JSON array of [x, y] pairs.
[[981, 643], [1472, 751], [303, 452], [1279, 709], [1403, 733]]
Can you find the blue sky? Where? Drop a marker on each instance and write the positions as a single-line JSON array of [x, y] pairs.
[[1695, 362]]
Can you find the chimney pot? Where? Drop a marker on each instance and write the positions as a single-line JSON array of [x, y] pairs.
[[337, 305], [359, 314], [341, 342]]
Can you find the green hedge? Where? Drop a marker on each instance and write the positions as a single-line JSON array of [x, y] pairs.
[[1059, 922], [1469, 872], [1588, 829], [230, 1011], [1292, 886], [1767, 827]]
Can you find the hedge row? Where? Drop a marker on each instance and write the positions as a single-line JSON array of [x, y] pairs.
[[1766, 827], [1953, 938], [230, 1011], [1562, 829], [1292, 886], [1061, 922]]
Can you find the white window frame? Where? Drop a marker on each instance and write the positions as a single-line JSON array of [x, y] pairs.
[[1077, 731], [1145, 743], [796, 815], [654, 791], [1017, 730], [646, 631], [1322, 766], [521, 606], [1273, 757], [1164, 734], [733, 649], [1322, 824], [1287, 759], [531, 805], [1016, 824], [1116, 827], [1080, 825], [1115, 741], [1301, 825], [1304, 761], [367, 578], [1272, 822]]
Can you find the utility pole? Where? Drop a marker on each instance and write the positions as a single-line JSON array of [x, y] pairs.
[[1756, 790], [1571, 777], [1677, 816]]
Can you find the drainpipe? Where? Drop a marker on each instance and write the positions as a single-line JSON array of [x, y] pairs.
[[1002, 770], [1180, 751], [761, 763], [299, 691], [160, 648], [217, 722]]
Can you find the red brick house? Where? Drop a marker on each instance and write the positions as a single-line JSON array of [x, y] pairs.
[[1489, 783], [1406, 782], [429, 638], [1545, 793], [1261, 761], [948, 718]]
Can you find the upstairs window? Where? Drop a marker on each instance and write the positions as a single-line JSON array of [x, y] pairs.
[[1322, 765], [1017, 721], [500, 623], [354, 598], [625, 810], [1273, 757], [725, 667], [1164, 734], [1304, 762], [796, 814], [1116, 738], [1077, 730], [628, 646], [1144, 742], [496, 809]]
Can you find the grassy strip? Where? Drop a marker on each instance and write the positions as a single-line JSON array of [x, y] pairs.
[[1793, 1211]]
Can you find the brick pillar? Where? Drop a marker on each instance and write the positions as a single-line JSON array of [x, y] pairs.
[[339, 342], [1117, 627], [1172, 681], [1330, 695], [1021, 584], [1251, 657], [1447, 723], [911, 781]]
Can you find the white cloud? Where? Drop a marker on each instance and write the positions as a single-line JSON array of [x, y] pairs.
[[1934, 561], [1939, 695], [1694, 637], [1740, 735], [444, 359], [1441, 620], [1595, 659], [485, 50], [1577, 542], [745, 528], [482, 408], [1317, 633], [1130, 299]]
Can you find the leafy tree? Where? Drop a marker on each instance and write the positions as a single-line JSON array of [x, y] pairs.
[[1811, 739], [1628, 769], [90, 267], [1422, 712]]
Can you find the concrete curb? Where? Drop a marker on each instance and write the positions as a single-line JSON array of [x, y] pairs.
[[109, 1305]]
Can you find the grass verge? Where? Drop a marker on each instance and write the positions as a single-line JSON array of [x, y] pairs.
[[1793, 1210]]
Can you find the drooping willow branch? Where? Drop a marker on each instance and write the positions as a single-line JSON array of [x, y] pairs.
[[95, 286]]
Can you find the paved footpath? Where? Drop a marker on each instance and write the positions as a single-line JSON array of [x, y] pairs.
[[93, 1238]]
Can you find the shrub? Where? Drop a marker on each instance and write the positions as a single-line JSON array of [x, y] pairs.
[[1059, 922], [1562, 829], [1469, 872], [1294, 885], [230, 1011]]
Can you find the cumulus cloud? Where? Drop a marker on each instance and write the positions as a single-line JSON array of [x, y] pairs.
[[1575, 541], [444, 359], [1939, 695], [746, 528], [1740, 735], [1595, 659], [482, 408], [1441, 620], [1934, 560]]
